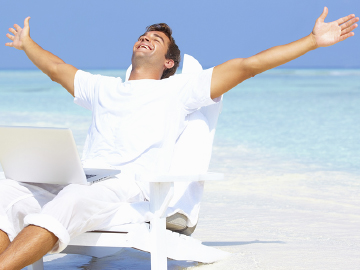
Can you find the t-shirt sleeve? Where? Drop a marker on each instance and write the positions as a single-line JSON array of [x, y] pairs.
[[195, 92], [85, 85]]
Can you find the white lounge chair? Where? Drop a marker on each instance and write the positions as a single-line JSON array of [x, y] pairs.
[[185, 173]]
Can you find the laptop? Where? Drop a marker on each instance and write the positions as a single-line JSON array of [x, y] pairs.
[[45, 155]]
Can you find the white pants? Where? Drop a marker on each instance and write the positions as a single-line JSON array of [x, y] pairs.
[[66, 211]]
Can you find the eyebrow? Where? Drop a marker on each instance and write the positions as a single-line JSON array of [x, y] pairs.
[[156, 35]]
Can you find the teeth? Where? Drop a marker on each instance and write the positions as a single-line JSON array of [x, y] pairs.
[[145, 46]]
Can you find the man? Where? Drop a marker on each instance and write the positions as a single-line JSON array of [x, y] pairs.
[[135, 125]]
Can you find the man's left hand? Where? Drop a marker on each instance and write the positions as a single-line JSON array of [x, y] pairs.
[[327, 34]]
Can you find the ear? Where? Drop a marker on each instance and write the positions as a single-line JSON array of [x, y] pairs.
[[169, 63]]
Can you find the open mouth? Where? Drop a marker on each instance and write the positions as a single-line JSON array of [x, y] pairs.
[[147, 47]]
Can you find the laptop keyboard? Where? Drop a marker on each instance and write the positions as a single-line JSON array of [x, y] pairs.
[[90, 175]]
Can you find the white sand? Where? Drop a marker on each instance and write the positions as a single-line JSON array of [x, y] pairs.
[[274, 220]]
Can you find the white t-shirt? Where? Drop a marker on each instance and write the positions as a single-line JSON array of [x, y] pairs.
[[135, 123]]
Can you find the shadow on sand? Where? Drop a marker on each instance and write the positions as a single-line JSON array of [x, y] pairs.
[[236, 243], [129, 259]]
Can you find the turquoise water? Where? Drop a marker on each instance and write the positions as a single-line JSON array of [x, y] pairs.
[[306, 116], [311, 116]]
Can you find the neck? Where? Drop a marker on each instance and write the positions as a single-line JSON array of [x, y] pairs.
[[141, 73]]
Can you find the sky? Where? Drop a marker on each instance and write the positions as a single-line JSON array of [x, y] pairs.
[[100, 34]]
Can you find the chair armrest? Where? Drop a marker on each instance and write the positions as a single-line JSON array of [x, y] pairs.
[[162, 187], [179, 178]]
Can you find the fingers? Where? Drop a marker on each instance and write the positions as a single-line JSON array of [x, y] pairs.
[[17, 27], [13, 31], [349, 23], [324, 14], [349, 29], [343, 37], [345, 19], [16, 32], [10, 36], [26, 22], [348, 26]]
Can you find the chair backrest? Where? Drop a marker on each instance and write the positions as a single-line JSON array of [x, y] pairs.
[[192, 153], [194, 146]]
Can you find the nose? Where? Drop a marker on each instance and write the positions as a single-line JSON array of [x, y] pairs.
[[143, 38]]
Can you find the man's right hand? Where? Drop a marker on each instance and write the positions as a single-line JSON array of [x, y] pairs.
[[20, 35], [47, 62]]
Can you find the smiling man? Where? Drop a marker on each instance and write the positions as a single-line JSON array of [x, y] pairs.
[[135, 126], [147, 44]]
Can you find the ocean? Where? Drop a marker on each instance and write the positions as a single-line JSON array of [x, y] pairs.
[[309, 116]]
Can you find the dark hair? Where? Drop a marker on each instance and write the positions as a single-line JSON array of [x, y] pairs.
[[173, 51]]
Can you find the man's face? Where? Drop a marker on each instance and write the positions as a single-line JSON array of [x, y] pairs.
[[151, 47]]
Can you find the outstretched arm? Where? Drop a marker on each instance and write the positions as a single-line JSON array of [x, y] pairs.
[[47, 62], [231, 73]]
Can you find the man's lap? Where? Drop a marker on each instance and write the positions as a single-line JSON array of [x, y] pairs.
[[72, 206]]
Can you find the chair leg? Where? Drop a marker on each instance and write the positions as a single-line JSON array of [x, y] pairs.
[[38, 265], [158, 244], [158, 194]]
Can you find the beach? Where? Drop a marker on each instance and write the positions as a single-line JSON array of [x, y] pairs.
[[276, 220], [288, 144]]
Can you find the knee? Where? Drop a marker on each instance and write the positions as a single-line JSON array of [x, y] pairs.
[[10, 192], [7, 186]]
